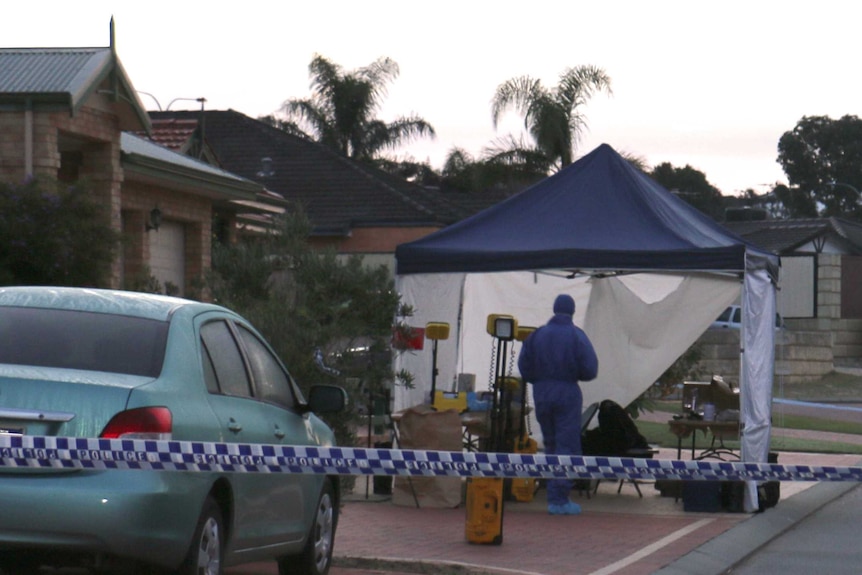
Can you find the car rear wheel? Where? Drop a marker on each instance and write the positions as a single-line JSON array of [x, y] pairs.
[[316, 557], [205, 552]]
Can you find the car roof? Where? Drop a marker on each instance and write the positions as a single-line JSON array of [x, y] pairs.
[[144, 305]]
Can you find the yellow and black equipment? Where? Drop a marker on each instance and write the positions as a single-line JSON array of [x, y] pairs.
[[524, 489], [485, 494], [442, 400], [503, 329]]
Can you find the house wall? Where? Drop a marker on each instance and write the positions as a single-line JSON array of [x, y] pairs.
[[373, 240], [91, 130], [799, 356], [193, 212], [95, 132], [845, 334], [806, 348], [375, 245]]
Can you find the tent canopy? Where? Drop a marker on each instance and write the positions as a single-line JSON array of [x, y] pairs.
[[598, 213], [648, 272]]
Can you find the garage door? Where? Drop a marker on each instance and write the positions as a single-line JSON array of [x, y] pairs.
[[168, 256]]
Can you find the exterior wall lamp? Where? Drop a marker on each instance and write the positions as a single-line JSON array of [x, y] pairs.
[[155, 220]]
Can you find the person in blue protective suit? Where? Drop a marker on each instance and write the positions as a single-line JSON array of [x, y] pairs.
[[554, 358]]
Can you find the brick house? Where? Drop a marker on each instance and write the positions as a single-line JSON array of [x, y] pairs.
[[70, 114], [819, 298]]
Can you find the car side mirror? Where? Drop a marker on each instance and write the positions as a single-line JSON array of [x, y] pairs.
[[327, 399]]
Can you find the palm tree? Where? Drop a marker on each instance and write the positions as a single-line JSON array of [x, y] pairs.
[[553, 116], [340, 112], [506, 164]]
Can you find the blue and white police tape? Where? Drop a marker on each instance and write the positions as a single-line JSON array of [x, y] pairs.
[[23, 451]]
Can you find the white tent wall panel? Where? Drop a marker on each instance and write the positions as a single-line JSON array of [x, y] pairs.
[[434, 298], [639, 324], [757, 367]]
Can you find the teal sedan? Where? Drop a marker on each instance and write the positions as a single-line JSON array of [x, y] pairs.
[[78, 362]]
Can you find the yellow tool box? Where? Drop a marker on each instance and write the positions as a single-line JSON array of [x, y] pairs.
[[444, 400], [524, 488], [484, 510]]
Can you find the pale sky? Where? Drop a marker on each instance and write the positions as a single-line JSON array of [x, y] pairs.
[[708, 84]]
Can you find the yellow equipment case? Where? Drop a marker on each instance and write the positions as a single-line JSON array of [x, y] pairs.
[[484, 510], [524, 488], [444, 400]]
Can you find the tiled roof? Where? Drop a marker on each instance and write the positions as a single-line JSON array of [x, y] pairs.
[[174, 133], [785, 236], [337, 193], [474, 202]]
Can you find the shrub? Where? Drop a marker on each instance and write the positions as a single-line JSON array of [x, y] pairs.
[[328, 317], [54, 235]]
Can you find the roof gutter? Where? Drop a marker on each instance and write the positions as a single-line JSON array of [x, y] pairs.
[[227, 188]]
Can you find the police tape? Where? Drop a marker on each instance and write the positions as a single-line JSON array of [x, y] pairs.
[[24, 451]]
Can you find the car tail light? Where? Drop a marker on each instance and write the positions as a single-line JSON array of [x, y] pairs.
[[141, 423]]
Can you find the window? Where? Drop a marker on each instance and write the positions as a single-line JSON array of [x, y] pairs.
[[271, 382], [220, 350], [210, 378], [82, 340]]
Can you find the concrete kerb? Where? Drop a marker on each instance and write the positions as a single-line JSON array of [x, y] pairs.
[[729, 549]]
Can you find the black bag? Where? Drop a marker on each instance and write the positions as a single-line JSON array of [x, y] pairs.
[[769, 493], [615, 435], [733, 495]]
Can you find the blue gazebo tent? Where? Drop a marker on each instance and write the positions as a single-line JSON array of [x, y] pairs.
[[649, 273]]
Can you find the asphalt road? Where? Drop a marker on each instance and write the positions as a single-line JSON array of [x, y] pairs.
[[827, 541]]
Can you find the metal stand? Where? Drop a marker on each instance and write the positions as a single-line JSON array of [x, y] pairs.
[[496, 440]]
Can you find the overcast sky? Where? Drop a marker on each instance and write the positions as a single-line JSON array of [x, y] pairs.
[[708, 84]]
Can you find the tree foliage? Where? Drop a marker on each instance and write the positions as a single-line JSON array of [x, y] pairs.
[[54, 235], [513, 167], [420, 173], [692, 186], [822, 159], [341, 112], [552, 116], [304, 300], [775, 204]]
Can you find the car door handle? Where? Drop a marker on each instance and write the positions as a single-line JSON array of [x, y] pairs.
[[234, 425], [279, 434]]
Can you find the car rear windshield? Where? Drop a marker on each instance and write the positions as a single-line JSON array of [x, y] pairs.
[[82, 340]]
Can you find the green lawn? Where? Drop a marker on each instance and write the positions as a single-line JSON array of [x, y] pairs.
[[659, 434], [816, 424]]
